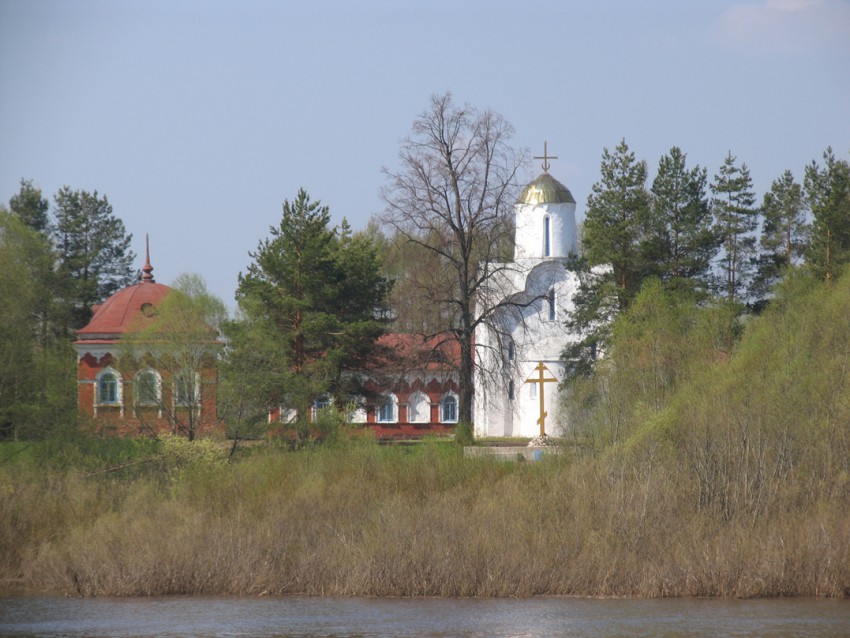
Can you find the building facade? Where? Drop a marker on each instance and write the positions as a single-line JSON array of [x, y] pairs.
[[145, 400]]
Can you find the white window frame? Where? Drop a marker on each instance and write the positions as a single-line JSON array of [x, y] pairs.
[[320, 403], [119, 387], [453, 397], [196, 399], [157, 387], [392, 401], [416, 402]]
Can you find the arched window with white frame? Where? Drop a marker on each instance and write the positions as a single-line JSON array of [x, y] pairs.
[[148, 387], [418, 408], [109, 387], [448, 408], [388, 410], [320, 404], [187, 388]]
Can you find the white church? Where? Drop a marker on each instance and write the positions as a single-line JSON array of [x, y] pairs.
[[519, 365]]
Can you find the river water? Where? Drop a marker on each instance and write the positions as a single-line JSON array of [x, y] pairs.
[[437, 618]]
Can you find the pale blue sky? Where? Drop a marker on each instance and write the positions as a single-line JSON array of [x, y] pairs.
[[197, 119]]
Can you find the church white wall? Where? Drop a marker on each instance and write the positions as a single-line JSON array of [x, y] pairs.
[[536, 338], [528, 399], [530, 231]]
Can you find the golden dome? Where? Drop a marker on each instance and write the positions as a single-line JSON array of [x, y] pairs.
[[545, 190]]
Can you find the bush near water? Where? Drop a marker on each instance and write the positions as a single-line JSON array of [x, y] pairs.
[[703, 463]]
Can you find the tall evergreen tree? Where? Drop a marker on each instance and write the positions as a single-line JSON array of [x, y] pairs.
[[680, 240], [617, 212], [614, 260], [784, 233], [828, 194], [95, 259], [736, 219], [30, 206], [312, 302]]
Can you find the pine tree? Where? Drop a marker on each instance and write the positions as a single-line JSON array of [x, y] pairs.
[[784, 234], [95, 259], [30, 206], [736, 219], [680, 241], [615, 259], [828, 194], [312, 302], [617, 212]]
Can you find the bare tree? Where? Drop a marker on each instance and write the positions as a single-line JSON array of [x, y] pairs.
[[453, 195]]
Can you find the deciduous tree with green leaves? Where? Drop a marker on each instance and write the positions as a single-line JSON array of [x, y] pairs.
[[37, 390], [173, 356], [313, 306]]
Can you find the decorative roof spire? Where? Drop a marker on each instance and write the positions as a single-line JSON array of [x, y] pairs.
[[546, 157], [147, 269]]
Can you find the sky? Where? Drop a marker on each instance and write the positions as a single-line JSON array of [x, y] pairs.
[[197, 119]]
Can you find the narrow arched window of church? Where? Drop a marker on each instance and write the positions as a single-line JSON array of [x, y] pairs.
[[551, 297], [546, 242]]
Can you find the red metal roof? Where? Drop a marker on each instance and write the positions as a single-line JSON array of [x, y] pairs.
[[122, 310], [413, 351]]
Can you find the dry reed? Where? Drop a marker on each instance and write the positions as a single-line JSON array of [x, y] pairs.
[[368, 520]]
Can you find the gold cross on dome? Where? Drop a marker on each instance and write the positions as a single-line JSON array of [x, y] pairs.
[[546, 157], [539, 378]]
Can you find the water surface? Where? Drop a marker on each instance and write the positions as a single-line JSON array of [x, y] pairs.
[[202, 617]]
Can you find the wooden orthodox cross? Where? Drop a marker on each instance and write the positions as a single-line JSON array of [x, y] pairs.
[[546, 157], [541, 379]]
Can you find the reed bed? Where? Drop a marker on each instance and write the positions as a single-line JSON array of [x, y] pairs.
[[367, 520]]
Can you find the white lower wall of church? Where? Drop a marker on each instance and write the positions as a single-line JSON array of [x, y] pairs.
[[528, 400], [536, 338], [499, 415]]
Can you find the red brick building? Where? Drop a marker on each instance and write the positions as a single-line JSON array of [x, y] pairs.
[[412, 388], [146, 400], [418, 392]]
